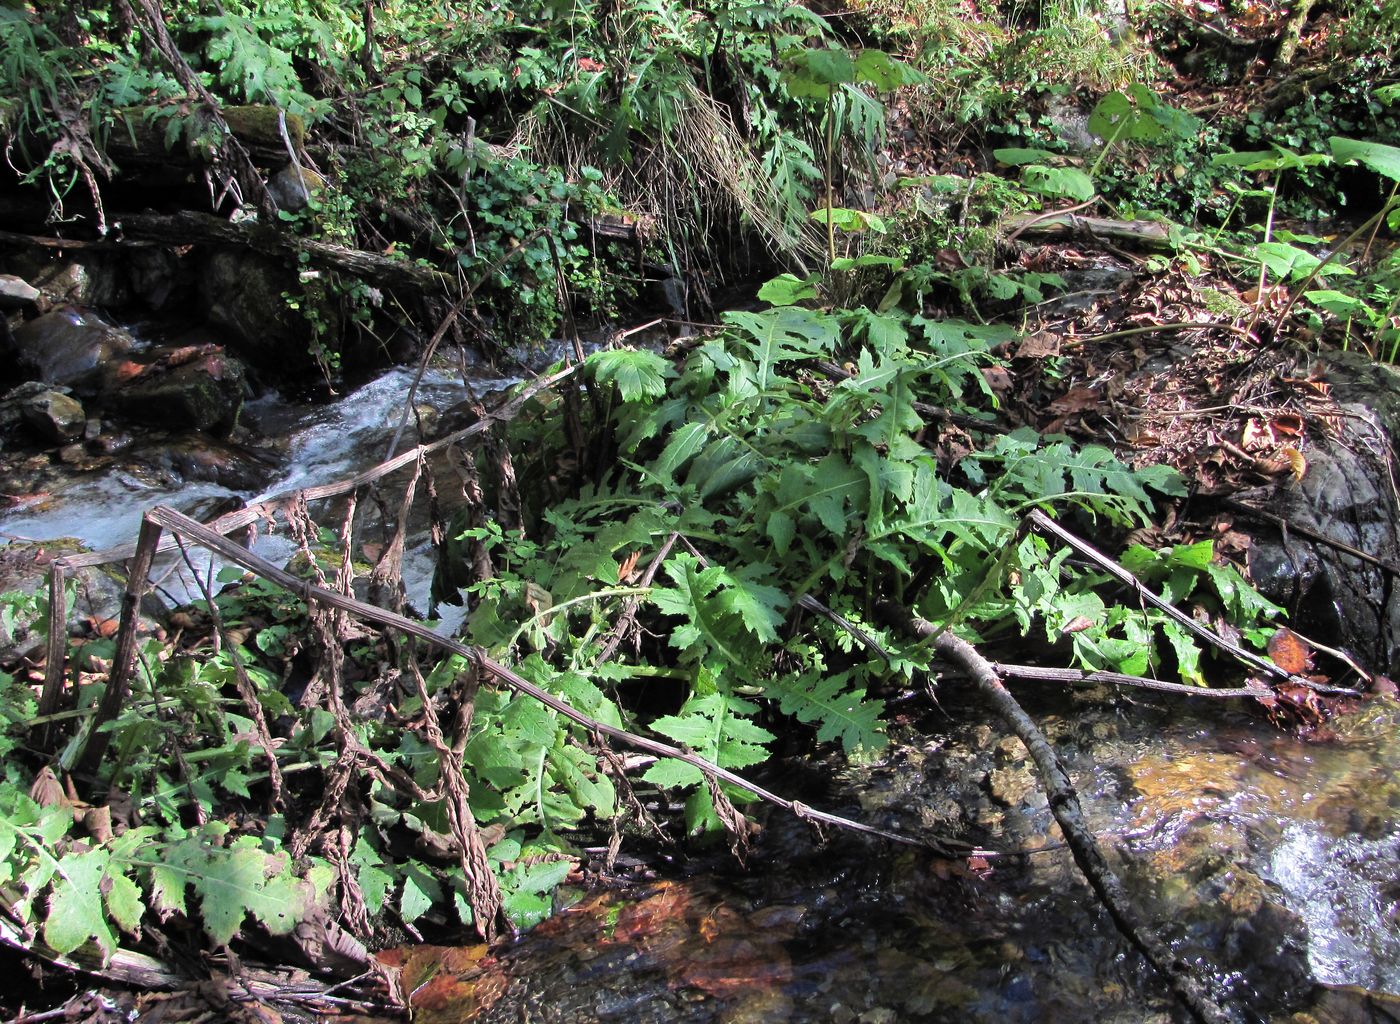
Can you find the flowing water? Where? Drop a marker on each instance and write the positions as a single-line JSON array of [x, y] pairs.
[[294, 445], [1267, 859]]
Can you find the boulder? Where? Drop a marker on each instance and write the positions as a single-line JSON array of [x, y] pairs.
[[243, 296], [54, 416], [1347, 495], [86, 279], [204, 392], [15, 292], [71, 347]]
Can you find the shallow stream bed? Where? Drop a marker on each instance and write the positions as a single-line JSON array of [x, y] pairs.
[[1269, 859]]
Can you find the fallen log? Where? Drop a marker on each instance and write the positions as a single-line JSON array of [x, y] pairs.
[[138, 137], [1140, 234], [190, 228]]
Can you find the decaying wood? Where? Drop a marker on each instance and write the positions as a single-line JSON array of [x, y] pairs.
[[133, 140], [1141, 234], [1291, 35], [1191, 989], [188, 227]]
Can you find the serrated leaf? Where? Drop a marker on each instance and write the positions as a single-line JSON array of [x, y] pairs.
[[717, 728], [840, 713], [637, 373], [242, 880], [759, 607], [528, 889], [124, 902], [784, 333], [76, 913]]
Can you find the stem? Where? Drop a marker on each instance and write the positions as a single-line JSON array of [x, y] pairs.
[[1336, 250], [1366, 253], [830, 176], [1263, 267], [1118, 130]]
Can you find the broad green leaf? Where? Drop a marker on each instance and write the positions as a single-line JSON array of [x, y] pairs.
[[528, 890], [789, 289], [884, 73], [1383, 159], [850, 220], [420, 891], [1058, 181], [1014, 156], [1339, 303], [76, 913], [637, 373]]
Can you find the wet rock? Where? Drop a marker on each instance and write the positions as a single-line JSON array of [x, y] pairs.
[[97, 596], [243, 297], [1346, 495], [291, 188], [70, 346], [159, 278], [90, 279], [54, 416], [12, 404], [205, 393], [195, 458], [15, 292], [1010, 786]]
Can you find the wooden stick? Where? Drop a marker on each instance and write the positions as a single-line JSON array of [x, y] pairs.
[[166, 518], [1181, 976], [1074, 675]]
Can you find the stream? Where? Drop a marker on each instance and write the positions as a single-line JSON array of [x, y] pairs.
[[1268, 859], [1274, 859]]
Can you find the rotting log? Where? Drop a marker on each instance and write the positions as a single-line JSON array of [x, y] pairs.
[[143, 141], [1139, 234], [190, 228]]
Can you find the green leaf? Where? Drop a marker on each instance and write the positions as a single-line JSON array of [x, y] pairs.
[[637, 373], [789, 289], [842, 714], [783, 334], [242, 880], [884, 73], [124, 902], [850, 220], [758, 606], [528, 890], [1383, 159], [1339, 303], [716, 727], [1014, 156], [76, 913], [420, 891], [1058, 181]]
